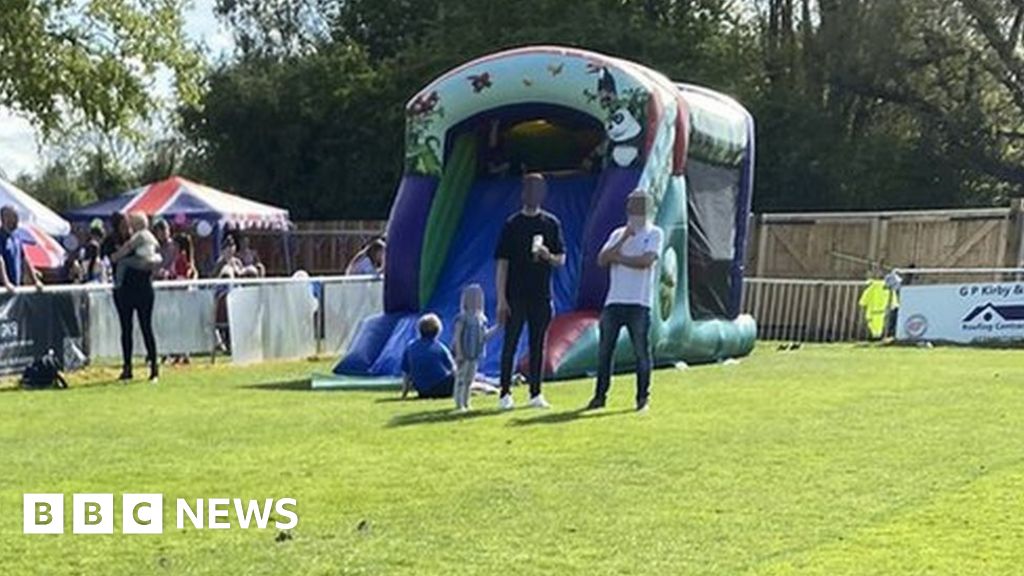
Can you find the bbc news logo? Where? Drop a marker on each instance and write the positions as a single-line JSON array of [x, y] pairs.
[[144, 513]]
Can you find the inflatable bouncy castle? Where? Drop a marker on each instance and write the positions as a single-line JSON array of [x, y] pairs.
[[597, 127]]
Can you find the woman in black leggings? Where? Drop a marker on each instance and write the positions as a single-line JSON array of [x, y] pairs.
[[134, 295]]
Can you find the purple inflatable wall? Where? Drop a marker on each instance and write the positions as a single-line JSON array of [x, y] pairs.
[[406, 225]]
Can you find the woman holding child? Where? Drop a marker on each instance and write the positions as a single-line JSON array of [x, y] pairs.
[[135, 254]]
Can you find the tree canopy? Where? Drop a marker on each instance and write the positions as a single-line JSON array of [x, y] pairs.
[[91, 63], [860, 104]]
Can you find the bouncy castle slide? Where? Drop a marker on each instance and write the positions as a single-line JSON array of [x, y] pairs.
[[598, 127]]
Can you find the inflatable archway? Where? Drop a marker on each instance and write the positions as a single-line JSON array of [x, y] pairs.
[[598, 127]]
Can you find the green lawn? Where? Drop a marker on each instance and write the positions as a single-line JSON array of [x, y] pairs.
[[827, 460]]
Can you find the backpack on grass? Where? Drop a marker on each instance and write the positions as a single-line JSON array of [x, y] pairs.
[[43, 373]]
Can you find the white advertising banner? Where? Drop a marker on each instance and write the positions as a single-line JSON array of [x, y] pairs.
[[962, 313]]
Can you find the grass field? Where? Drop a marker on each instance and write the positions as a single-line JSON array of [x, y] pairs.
[[828, 460]]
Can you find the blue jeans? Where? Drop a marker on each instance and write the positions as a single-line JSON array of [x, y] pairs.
[[636, 319]]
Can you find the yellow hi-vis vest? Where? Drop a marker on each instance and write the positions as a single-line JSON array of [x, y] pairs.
[[875, 300]]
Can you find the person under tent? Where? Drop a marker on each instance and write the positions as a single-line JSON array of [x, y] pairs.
[[15, 266]]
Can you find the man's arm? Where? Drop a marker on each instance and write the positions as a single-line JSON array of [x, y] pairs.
[[555, 260], [500, 281], [647, 259], [641, 262], [555, 255], [610, 254], [502, 253], [6, 279]]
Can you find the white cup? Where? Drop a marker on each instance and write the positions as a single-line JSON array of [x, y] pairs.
[[538, 241]]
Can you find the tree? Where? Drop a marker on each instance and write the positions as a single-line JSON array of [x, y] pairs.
[[312, 132], [277, 28], [320, 129], [895, 104], [90, 63], [166, 158], [57, 186]]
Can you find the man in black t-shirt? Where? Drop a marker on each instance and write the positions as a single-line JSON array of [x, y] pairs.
[[531, 245]]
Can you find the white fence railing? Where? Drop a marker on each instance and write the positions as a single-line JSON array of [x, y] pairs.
[[251, 319], [271, 318], [805, 310], [829, 310]]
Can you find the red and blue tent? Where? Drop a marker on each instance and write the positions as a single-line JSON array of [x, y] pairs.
[[181, 200], [38, 225]]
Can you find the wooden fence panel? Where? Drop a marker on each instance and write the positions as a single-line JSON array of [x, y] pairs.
[[850, 246], [319, 248]]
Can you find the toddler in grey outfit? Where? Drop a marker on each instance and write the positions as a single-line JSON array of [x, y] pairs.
[[469, 339]]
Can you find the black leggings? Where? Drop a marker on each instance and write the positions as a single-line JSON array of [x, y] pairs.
[[536, 315], [130, 298]]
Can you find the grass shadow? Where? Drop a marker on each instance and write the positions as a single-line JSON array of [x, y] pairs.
[[20, 388], [565, 417], [438, 417]]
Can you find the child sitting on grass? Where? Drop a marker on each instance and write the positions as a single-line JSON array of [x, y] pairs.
[[427, 364], [140, 252], [469, 340]]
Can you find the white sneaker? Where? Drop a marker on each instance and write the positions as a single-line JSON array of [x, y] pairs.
[[506, 402], [538, 401]]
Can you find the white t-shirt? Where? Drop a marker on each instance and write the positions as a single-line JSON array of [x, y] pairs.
[[630, 285]]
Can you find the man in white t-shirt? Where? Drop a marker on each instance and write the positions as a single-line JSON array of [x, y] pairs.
[[631, 253]]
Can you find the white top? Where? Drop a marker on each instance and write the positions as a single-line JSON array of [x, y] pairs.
[[630, 285]]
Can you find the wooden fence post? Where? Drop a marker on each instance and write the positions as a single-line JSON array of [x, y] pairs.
[[1015, 235], [762, 244]]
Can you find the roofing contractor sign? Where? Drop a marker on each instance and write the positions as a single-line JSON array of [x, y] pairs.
[[962, 313]]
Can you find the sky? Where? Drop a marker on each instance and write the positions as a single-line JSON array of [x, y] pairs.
[[19, 147]]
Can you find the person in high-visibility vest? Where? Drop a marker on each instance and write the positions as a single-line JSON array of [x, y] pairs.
[[876, 301]]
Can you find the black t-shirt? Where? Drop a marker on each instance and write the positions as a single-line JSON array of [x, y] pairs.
[[529, 278]]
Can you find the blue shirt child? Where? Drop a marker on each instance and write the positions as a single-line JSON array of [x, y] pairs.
[[429, 364]]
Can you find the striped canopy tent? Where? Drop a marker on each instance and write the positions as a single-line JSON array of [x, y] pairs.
[[41, 249], [38, 225], [183, 201]]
